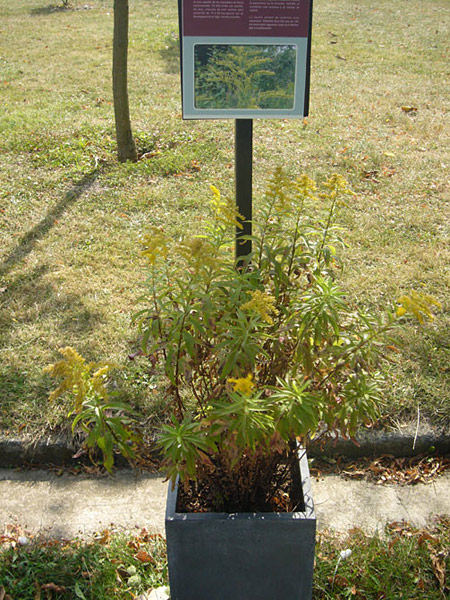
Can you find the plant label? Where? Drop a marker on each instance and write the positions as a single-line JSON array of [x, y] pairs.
[[245, 59]]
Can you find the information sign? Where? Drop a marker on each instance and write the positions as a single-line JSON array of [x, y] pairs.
[[245, 59]]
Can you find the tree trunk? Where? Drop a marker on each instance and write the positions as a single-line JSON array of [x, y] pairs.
[[126, 147]]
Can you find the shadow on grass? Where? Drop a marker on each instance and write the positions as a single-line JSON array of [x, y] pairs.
[[427, 364], [31, 287], [28, 241], [19, 388], [50, 9], [23, 387], [30, 298], [170, 53]]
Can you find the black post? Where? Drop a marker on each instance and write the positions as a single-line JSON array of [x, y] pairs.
[[243, 173]]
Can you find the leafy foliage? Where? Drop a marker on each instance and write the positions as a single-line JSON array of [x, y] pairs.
[[105, 422], [259, 356]]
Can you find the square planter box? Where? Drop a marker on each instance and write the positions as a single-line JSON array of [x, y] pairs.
[[242, 556]]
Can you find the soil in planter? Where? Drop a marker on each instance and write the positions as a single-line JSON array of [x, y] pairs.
[[278, 488]]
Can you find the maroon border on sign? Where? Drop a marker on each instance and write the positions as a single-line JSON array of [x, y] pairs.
[[212, 27]]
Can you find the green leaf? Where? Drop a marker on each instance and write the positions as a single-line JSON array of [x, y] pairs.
[[78, 591], [190, 342]]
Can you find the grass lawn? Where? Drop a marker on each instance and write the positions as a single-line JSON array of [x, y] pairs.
[[406, 564], [71, 216]]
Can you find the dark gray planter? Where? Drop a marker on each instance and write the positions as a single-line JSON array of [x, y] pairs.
[[242, 556]]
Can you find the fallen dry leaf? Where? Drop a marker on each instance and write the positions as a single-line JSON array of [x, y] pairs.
[[144, 557], [438, 563], [426, 537], [37, 590], [133, 544], [339, 581], [59, 589], [104, 538], [386, 469]]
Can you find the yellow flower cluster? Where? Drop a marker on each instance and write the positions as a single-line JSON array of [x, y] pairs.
[[198, 252], [75, 375], [305, 186], [243, 385], [225, 211], [155, 245], [279, 191], [337, 184], [263, 304], [417, 304], [285, 192]]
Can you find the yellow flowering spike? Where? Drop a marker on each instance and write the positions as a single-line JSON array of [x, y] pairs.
[[337, 186], [71, 369], [417, 304], [337, 182], [305, 186], [198, 252], [77, 377], [279, 191], [225, 211], [98, 380], [263, 304], [243, 385], [155, 245]]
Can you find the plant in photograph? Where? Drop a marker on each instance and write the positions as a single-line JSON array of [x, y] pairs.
[[244, 76]]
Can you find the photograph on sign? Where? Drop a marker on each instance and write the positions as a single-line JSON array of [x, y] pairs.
[[244, 76], [245, 58]]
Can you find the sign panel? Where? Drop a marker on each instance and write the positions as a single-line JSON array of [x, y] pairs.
[[245, 58]]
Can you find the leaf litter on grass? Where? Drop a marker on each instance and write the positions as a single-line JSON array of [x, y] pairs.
[[406, 563], [386, 469], [111, 565]]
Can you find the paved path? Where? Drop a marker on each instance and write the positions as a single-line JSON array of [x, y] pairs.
[[69, 506]]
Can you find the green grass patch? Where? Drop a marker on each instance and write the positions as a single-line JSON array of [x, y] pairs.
[[71, 216], [116, 566], [405, 563]]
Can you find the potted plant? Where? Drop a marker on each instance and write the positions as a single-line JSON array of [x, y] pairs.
[[262, 359]]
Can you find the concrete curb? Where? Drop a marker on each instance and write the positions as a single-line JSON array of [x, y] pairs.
[[20, 452], [406, 441]]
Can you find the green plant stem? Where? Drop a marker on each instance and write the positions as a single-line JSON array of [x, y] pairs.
[[264, 231], [177, 368], [327, 228], [294, 244], [155, 303]]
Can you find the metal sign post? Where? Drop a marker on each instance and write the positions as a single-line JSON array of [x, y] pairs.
[[243, 174]]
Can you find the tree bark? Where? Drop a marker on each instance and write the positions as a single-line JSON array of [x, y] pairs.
[[126, 147]]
